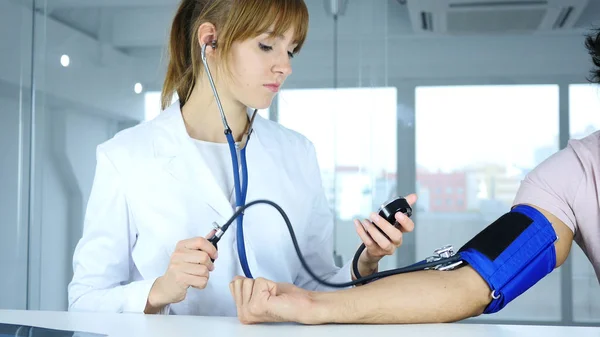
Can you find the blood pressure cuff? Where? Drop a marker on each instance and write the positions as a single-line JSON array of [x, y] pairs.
[[512, 254]]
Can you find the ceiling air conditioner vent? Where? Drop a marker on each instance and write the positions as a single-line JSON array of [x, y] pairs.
[[493, 16]]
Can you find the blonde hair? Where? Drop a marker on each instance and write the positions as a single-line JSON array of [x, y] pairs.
[[235, 20]]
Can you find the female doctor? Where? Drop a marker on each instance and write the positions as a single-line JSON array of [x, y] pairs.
[[160, 186]]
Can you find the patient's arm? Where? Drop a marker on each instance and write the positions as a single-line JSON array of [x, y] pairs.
[[418, 297]]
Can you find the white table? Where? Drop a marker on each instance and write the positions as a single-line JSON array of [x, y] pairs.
[[116, 325]]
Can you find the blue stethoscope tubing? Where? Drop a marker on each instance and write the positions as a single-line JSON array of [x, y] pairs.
[[240, 190], [240, 198]]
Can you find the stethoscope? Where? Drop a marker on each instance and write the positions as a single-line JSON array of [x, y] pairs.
[[443, 258], [241, 188]]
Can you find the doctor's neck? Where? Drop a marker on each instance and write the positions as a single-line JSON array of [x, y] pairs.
[[203, 119]]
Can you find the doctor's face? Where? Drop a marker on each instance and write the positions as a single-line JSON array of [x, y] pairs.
[[259, 67]]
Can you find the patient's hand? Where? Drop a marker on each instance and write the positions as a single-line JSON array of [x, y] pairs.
[[261, 300]]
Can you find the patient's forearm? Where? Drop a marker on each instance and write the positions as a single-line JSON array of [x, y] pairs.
[[418, 297]]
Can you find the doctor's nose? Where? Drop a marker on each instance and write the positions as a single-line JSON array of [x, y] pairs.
[[283, 66]]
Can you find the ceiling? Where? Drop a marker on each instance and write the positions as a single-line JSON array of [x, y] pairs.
[[139, 28], [126, 39]]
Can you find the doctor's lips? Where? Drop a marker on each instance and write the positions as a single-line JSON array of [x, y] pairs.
[[274, 87]]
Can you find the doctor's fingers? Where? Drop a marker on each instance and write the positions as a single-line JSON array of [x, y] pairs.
[[198, 243], [406, 223], [195, 269], [382, 245], [364, 236], [393, 234], [194, 256], [198, 282], [385, 235]]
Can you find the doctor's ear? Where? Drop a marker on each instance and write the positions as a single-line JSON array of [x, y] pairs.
[[207, 35]]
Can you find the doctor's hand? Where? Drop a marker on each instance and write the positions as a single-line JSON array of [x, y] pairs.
[[261, 300], [190, 266], [377, 245]]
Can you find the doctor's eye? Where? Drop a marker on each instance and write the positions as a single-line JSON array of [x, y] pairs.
[[264, 47]]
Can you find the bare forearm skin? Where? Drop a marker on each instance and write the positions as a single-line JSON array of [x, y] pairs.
[[418, 297]]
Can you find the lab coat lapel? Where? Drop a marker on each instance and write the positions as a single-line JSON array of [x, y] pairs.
[[182, 160]]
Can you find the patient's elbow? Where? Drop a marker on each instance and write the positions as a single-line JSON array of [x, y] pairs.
[[475, 290]]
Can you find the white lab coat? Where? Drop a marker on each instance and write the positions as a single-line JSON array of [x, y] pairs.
[[152, 188]]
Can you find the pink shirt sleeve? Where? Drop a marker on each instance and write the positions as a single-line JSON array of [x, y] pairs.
[[553, 186]]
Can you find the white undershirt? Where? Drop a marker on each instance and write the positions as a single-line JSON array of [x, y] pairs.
[[218, 159]]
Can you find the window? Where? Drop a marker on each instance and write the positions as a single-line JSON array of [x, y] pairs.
[[354, 133], [584, 109], [480, 120]]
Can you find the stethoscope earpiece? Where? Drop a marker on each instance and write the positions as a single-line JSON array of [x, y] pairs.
[[213, 44]]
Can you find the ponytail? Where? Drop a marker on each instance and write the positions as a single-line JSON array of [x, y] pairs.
[[180, 75]]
